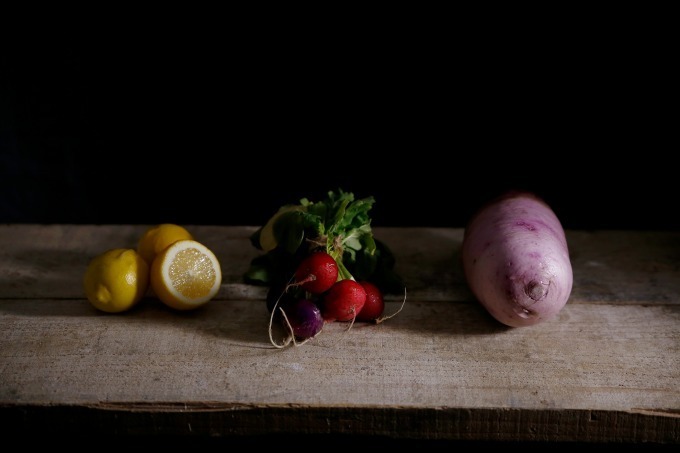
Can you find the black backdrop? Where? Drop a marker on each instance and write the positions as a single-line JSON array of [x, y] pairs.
[[93, 133]]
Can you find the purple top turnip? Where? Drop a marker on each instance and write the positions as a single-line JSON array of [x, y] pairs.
[[516, 260]]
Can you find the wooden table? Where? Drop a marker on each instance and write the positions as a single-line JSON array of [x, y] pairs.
[[607, 369]]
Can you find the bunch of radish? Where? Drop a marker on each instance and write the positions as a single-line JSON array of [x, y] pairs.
[[316, 296], [322, 264]]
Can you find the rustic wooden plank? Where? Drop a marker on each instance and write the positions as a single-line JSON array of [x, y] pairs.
[[435, 371], [615, 360], [625, 266], [48, 261], [606, 369]]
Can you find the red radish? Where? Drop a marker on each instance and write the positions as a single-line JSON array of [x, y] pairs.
[[317, 272], [343, 301], [516, 260], [375, 304]]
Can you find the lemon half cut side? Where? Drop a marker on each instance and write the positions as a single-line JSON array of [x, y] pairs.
[[186, 275]]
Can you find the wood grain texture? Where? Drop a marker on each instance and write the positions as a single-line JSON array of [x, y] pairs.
[[430, 355], [48, 261], [607, 369]]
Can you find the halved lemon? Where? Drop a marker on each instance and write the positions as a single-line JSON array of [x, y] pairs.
[[186, 275]]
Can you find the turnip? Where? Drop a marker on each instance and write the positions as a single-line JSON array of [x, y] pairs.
[[343, 301], [516, 259]]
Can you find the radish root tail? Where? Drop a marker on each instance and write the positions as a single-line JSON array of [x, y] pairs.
[[287, 340], [385, 318], [291, 283]]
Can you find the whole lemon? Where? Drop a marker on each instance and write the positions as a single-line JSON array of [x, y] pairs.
[[158, 238], [116, 280]]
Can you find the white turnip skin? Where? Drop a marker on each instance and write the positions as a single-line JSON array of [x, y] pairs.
[[516, 260]]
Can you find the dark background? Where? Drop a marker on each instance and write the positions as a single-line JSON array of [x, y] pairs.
[[207, 132]]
